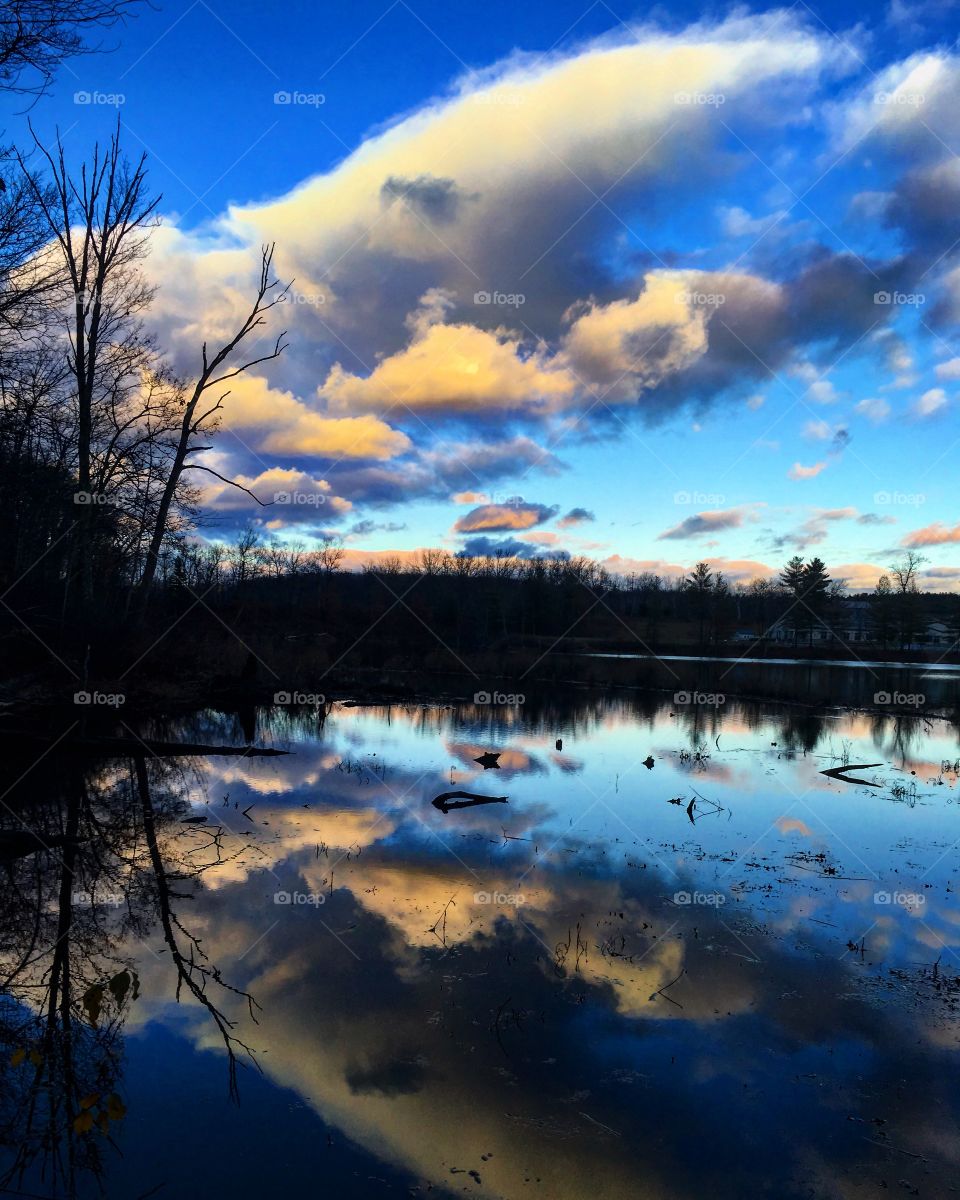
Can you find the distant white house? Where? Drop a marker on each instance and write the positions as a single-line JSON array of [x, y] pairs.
[[938, 634], [852, 623]]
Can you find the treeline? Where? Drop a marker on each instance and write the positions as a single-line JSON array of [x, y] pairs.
[[473, 605]]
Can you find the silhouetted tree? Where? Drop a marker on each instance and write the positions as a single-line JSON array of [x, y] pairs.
[[98, 222], [36, 36], [196, 420], [700, 583], [909, 608]]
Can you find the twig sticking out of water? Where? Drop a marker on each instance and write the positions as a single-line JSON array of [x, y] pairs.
[[663, 991], [442, 921]]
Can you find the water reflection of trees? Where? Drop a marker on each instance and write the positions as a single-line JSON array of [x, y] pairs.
[[102, 860], [568, 713]]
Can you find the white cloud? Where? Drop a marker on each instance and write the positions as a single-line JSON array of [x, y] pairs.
[[818, 431], [875, 410], [932, 401]]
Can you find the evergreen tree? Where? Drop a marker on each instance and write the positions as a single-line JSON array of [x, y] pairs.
[[700, 583], [814, 596]]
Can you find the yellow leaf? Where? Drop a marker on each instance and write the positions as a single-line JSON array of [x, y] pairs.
[[17, 1057], [90, 1101], [83, 1123], [35, 1057], [116, 1107]]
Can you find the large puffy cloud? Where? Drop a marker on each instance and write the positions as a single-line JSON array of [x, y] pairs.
[[455, 367], [440, 468], [276, 486], [639, 341], [610, 352], [453, 194], [471, 195], [906, 115], [470, 281], [275, 421], [923, 88]]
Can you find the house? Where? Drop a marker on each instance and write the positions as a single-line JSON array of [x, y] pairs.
[[848, 621], [851, 622]]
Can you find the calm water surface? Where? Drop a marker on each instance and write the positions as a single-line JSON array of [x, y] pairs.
[[679, 961]]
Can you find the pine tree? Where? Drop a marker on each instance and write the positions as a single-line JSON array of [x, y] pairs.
[[700, 582], [791, 577], [791, 580], [814, 595]]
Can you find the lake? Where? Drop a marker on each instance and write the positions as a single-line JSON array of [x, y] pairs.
[[678, 960]]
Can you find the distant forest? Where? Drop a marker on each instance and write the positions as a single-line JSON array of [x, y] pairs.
[[260, 611]]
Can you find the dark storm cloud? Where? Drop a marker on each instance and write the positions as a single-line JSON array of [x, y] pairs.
[[576, 516], [488, 547]]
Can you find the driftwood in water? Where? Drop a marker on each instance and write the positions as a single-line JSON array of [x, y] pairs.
[[443, 801], [132, 746], [841, 773]]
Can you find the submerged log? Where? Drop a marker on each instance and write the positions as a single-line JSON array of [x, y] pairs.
[[448, 800], [841, 773]]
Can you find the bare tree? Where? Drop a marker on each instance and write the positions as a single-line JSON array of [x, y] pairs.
[[36, 36], [905, 569], [326, 558], [99, 223], [197, 420], [908, 606]]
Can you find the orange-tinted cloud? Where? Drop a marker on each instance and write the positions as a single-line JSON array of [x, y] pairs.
[[936, 534], [799, 471], [495, 518]]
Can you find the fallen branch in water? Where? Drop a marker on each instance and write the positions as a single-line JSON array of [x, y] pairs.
[[469, 799], [831, 874], [841, 773]]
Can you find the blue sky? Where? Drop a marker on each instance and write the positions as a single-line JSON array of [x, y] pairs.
[[688, 222]]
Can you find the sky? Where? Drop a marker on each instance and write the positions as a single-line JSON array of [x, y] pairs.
[[648, 285]]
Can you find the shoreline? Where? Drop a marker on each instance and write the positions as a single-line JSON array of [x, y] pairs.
[[409, 686]]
